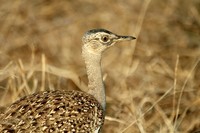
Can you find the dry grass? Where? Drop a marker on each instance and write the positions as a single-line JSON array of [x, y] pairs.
[[152, 84]]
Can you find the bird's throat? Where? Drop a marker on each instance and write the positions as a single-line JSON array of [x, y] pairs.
[[95, 80]]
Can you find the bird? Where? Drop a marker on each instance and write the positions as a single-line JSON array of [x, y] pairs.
[[67, 111]]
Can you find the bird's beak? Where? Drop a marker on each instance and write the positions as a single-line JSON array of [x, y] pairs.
[[123, 38]]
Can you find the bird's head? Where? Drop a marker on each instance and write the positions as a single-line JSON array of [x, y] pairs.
[[97, 40]]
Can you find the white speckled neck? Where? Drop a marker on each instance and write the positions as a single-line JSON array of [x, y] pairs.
[[95, 84]]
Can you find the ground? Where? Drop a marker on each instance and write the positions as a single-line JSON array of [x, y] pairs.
[[152, 83]]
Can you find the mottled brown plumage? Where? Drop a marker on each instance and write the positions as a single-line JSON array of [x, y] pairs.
[[66, 111], [54, 111]]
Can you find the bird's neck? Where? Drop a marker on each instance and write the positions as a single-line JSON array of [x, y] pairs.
[[95, 80]]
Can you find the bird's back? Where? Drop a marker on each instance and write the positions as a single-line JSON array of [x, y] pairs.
[[54, 111]]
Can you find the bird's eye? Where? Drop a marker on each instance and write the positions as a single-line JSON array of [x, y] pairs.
[[105, 38]]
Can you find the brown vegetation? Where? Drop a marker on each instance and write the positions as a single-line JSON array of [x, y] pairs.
[[152, 84]]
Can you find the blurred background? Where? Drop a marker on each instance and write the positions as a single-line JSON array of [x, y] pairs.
[[152, 83]]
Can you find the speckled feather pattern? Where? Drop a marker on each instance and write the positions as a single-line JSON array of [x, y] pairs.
[[66, 111], [53, 111]]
